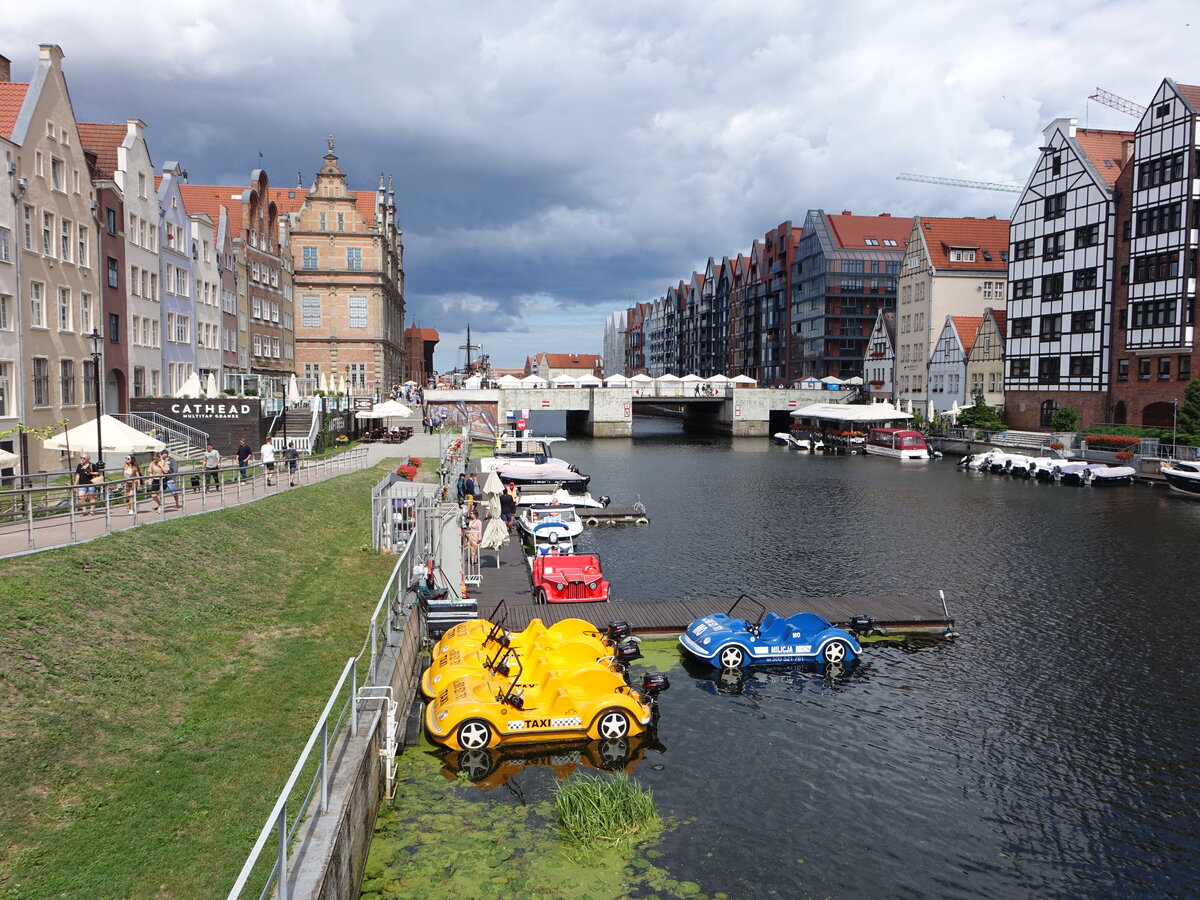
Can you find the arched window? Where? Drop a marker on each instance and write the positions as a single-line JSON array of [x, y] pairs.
[[1049, 408], [1158, 415]]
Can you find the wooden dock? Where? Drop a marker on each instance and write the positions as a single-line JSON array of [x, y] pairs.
[[510, 582]]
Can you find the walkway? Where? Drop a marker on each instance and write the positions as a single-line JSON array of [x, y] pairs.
[[49, 532]]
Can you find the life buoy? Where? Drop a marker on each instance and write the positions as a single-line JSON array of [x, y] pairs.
[[591, 520]]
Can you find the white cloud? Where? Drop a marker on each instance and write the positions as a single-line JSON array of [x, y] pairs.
[[597, 153]]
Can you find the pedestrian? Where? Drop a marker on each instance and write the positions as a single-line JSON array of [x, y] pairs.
[[133, 481], [472, 489], [474, 535], [171, 482], [292, 455], [158, 474], [243, 457], [267, 454], [212, 468], [86, 478], [461, 488], [508, 506]]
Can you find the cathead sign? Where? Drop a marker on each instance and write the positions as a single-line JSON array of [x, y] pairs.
[[186, 409], [225, 420]]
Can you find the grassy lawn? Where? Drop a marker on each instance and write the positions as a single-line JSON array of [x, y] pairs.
[[156, 686]]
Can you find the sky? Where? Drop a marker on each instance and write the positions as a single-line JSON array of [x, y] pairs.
[[555, 162]]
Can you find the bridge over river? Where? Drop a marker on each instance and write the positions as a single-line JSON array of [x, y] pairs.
[[609, 411]]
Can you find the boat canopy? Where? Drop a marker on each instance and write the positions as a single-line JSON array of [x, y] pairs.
[[858, 413]]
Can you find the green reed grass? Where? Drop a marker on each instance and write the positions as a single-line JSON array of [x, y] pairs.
[[603, 810]]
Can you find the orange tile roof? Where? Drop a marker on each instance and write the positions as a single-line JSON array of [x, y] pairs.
[[572, 360], [943, 235], [1104, 149], [209, 198], [1191, 93], [424, 334], [103, 140], [967, 328], [999, 316], [852, 232], [12, 95]]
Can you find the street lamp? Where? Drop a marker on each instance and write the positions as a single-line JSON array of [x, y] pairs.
[[97, 342]]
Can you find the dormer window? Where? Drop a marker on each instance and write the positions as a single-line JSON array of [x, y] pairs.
[[958, 254], [888, 242], [871, 242]]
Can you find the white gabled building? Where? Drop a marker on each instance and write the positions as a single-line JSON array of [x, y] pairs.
[[985, 362], [948, 362], [1060, 277], [879, 368]]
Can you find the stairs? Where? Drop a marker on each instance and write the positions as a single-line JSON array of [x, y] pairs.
[[299, 426]]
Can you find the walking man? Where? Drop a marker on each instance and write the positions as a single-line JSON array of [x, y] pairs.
[[292, 455], [243, 457], [172, 479], [212, 466], [267, 455]]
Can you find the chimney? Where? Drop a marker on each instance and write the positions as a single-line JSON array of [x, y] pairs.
[[846, 212], [5, 69], [1126, 149]]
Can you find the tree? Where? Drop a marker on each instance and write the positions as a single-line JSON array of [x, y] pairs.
[[981, 415], [1189, 410], [1065, 419]]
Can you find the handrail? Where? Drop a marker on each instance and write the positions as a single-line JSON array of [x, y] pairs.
[[390, 599], [151, 422]]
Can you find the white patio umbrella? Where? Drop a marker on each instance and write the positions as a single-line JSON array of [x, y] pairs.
[[293, 390], [857, 379], [190, 388], [117, 437], [210, 385], [341, 388], [323, 384], [389, 409], [7, 459]]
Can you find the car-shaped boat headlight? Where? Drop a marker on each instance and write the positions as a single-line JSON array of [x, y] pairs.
[[443, 714], [706, 641], [437, 678], [592, 586], [560, 586]]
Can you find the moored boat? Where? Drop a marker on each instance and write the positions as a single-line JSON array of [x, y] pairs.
[[1182, 477], [898, 443]]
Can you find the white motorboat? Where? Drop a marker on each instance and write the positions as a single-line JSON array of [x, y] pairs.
[[515, 449], [1182, 477], [543, 478], [548, 523], [801, 440], [562, 496]]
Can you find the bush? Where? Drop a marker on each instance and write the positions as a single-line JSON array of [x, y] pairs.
[[1110, 441], [1065, 419], [602, 810]]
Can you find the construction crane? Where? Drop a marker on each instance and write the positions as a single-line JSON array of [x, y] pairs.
[[958, 182], [1120, 104]]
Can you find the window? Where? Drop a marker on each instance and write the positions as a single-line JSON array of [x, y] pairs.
[[181, 281], [275, 347], [1084, 279], [114, 328], [1087, 236], [139, 381], [1168, 217], [57, 177], [888, 242], [993, 290], [1156, 267], [1164, 368], [341, 221], [66, 378], [323, 224], [5, 245], [1023, 289], [1053, 245], [1018, 368], [1051, 329], [1122, 370], [354, 257], [5, 313], [183, 330], [256, 307], [1023, 249], [1052, 287], [852, 266], [47, 234], [1160, 171], [1020, 328], [5, 386], [28, 225], [309, 257], [1055, 206], [962, 255], [110, 220], [41, 382], [1083, 322], [1185, 368], [1153, 314], [274, 312], [142, 185], [65, 235], [1056, 164], [1048, 367], [1144, 369], [358, 312], [258, 345], [1082, 366], [114, 273], [64, 309], [37, 312]]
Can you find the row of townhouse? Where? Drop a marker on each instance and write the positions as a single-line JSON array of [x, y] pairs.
[[119, 280], [1085, 298]]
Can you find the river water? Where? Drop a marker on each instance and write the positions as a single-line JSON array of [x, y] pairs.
[[1050, 751]]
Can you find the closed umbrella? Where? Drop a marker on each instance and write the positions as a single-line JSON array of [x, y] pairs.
[[190, 389], [210, 385], [323, 384], [293, 391], [495, 536]]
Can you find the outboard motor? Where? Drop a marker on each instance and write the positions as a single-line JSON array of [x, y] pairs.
[[618, 632], [627, 651], [862, 624], [605, 500], [653, 684]]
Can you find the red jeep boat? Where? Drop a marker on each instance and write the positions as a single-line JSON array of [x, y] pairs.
[[568, 579]]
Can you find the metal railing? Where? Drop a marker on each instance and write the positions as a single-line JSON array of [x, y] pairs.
[[341, 710], [174, 432], [41, 518]]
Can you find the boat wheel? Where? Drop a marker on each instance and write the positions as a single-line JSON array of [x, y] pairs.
[[614, 723], [731, 657], [835, 652], [474, 734]]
